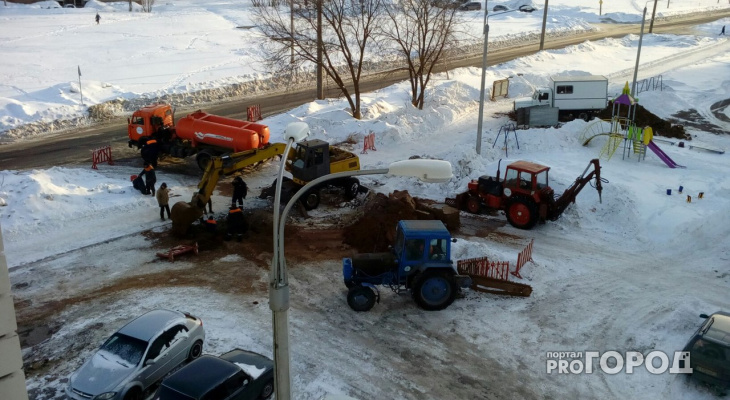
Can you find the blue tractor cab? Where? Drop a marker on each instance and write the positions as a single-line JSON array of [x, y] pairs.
[[419, 262]]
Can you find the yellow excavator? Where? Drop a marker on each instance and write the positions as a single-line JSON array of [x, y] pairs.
[[183, 214], [310, 160]]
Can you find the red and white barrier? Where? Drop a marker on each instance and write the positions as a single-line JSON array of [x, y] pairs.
[[522, 258], [101, 155], [254, 113], [484, 268], [368, 144]]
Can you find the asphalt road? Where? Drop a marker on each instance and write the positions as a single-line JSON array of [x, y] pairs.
[[74, 147]]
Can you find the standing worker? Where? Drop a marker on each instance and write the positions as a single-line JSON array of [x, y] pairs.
[[722, 32], [150, 178], [236, 224], [163, 198], [240, 189], [98, 18]]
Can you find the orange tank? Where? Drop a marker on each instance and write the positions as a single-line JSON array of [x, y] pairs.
[[214, 130]]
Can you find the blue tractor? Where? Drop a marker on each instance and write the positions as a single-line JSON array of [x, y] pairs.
[[419, 262]]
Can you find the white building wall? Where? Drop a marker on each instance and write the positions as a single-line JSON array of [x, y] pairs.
[[12, 378]]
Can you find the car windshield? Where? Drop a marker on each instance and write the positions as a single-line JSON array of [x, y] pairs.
[[127, 348], [165, 393], [711, 350]]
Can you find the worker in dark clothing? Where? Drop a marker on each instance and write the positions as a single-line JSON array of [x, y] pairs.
[[138, 183], [211, 225], [240, 190], [150, 152], [150, 178], [98, 18], [237, 224]]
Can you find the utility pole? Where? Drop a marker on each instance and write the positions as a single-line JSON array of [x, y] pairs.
[[320, 72], [653, 13], [544, 22]]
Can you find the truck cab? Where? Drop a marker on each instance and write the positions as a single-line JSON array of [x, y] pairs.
[[147, 122], [419, 262], [541, 97]]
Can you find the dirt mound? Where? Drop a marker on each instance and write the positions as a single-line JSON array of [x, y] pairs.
[[645, 118]]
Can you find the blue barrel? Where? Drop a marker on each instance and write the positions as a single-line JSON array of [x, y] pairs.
[[669, 192]]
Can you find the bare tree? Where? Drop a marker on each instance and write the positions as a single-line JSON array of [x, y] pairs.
[[147, 5], [421, 31], [348, 27]]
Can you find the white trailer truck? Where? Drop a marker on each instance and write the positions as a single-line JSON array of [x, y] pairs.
[[570, 96]]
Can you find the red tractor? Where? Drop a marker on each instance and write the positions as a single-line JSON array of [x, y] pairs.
[[524, 193]]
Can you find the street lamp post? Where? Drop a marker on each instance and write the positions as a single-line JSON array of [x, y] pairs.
[[279, 284], [432, 171], [523, 8]]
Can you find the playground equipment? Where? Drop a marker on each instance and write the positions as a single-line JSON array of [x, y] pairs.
[[622, 129], [506, 129]]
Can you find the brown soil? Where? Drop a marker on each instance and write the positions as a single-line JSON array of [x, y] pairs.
[[643, 118]]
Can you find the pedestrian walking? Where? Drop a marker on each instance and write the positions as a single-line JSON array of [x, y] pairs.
[[150, 178], [163, 199], [722, 31], [98, 18], [240, 190]]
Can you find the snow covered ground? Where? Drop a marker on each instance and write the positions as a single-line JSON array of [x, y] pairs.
[[629, 273], [186, 46]]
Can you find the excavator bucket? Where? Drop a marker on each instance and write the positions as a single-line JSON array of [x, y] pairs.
[[183, 215]]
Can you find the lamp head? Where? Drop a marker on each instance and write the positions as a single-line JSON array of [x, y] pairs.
[[430, 171], [297, 131]]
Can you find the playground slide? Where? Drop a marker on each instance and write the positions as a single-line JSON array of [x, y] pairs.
[[663, 156]]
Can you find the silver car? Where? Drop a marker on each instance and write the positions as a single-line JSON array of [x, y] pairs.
[[137, 356]]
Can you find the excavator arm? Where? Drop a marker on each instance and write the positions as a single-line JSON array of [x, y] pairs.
[[226, 165], [561, 203], [183, 213]]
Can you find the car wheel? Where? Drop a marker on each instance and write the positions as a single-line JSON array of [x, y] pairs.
[[196, 350], [133, 394], [267, 391], [360, 298]]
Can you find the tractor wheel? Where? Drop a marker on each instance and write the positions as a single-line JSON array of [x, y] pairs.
[[203, 159], [434, 290], [473, 204], [352, 187], [522, 213], [310, 200], [361, 298]]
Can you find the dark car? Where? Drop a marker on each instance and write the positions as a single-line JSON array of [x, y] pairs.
[[236, 375], [500, 7], [470, 6], [709, 351]]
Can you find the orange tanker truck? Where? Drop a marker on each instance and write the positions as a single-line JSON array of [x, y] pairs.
[[152, 128]]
